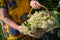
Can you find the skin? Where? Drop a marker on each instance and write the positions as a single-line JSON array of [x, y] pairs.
[[33, 3]]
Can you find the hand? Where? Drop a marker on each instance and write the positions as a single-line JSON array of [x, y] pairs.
[[20, 29], [35, 4]]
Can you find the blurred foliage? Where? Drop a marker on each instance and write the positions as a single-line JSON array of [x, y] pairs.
[[2, 37], [50, 4], [57, 14]]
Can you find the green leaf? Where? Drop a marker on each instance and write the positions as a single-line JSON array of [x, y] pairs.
[[27, 25]]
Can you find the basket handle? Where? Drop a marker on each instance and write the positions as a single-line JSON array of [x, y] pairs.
[[44, 8]]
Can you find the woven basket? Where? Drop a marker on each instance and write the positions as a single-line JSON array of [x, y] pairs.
[[39, 32]]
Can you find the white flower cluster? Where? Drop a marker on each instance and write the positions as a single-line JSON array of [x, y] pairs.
[[39, 20]]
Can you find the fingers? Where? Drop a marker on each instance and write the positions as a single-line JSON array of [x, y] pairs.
[[35, 4], [36, 7]]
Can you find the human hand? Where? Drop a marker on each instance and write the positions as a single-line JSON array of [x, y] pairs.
[[35, 4], [20, 29]]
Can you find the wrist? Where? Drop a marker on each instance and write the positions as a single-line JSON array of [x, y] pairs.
[[16, 27]]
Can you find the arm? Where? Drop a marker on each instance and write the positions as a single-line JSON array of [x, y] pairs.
[[7, 20]]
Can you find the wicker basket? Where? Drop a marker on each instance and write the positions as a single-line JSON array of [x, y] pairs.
[[39, 32]]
